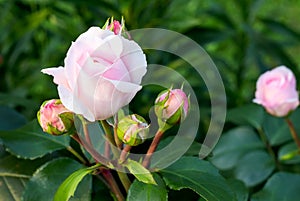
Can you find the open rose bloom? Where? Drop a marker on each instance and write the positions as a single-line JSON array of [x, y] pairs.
[[276, 91], [102, 73]]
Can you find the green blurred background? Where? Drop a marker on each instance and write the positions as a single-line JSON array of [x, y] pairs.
[[244, 38]]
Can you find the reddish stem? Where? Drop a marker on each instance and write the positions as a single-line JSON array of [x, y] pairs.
[[152, 148], [293, 132]]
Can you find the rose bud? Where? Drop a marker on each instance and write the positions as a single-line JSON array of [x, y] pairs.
[[54, 118], [132, 130], [171, 106], [114, 26], [276, 91]]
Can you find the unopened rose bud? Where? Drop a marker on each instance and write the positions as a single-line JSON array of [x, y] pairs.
[[171, 106], [132, 130], [114, 26], [54, 118]]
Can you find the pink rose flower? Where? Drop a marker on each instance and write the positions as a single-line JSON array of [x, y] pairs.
[[172, 106], [102, 73], [276, 91], [54, 118]]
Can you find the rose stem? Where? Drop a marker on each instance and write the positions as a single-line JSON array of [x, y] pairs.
[[117, 140], [293, 131], [152, 148], [85, 129], [123, 176], [267, 144], [112, 183], [97, 157], [124, 153], [108, 135], [75, 153]]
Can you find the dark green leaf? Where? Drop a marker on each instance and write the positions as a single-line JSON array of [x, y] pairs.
[[200, 176], [239, 188], [11, 166], [233, 145], [276, 130], [31, 142], [46, 180], [289, 153], [193, 150], [11, 188], [138, 170], [148, 192], [14, 174], [10, 119], [254, 167], [247, 115], [281, 186]]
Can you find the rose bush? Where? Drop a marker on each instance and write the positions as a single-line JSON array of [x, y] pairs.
[[276, 91], [102, 73]]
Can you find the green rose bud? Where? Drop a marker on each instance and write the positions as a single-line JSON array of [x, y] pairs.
[[132, 130], [54, 118]]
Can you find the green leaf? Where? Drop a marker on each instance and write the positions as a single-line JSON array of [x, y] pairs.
[[46, 180], [10, 119], [254, 167], [276, 130], [31, 142], [247, 115], [193, 150], [10, 166], [11, 188], [14, 174], [281, 186], [200, 176], [289, 153], [139, 171], [233, 145], [148, 192], [239, 189], [68, 187]]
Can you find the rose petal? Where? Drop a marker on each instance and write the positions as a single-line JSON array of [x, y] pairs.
[[117, 71], [59, 76]]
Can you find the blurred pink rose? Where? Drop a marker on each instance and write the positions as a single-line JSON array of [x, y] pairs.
[[276, 91], [102, 73]]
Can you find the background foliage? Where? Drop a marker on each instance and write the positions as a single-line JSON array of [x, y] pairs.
[[244, 39]]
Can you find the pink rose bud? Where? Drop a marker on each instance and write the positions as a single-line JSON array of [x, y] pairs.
[[276, 91], [116, 27], [132, 130], [171, 106], [54, 118], [102, 73]]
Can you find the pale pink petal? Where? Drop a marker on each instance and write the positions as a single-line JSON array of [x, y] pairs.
[[117, 71], [129, 47], [59, 76], [109, 50], [73, 103], [136, 64], [94, 67], [125, 87]]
